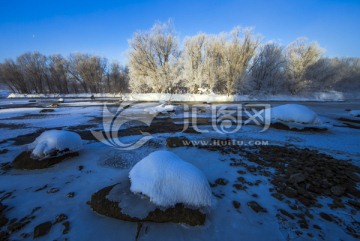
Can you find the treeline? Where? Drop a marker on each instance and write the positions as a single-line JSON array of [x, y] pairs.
[[237, 62], [234, 63], [78, 73]]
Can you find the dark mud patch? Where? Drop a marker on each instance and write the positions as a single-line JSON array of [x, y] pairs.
[[177, 214], [12, 126], [165, 126], [282, 126], [24, 161], [349, 120]]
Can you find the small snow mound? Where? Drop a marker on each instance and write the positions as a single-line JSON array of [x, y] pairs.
[[55, 140], [162, 108], [60, 100], [167, 180], [355, 113], [294, 113]]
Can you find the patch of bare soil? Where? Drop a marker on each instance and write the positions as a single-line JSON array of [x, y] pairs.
[[25, 161], [281, 126], [12, 126], [350, 123], [177, 214]]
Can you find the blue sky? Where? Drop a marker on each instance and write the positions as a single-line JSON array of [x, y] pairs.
[[103, 27]]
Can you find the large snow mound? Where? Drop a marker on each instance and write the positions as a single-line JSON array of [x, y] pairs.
[[55, 140], [355, 113], [167, 180], [294, 113], [162, 108]]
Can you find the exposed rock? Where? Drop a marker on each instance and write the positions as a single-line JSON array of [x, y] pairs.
[[53, 190], [3, 151], [278, 196], [256, 207], [326, 217], [66, 227], [239, 186], [3, 220], [177, 214], [60, 218], [18, 225], [317, 227], [53, 106], [297, 178], [42, 229], [354, 204], [338, 190], [290, 192], [220, 181], [283, 126], [285, 213], [5, 196], [35, 210], [41, 188], [2, 207], [251, 168], [4, 235], [177, 141], [236, 204], [25, 161], [241, 179], [306, 174], [71, 194], [47, 110]]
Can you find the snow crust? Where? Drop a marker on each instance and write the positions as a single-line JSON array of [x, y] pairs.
[[294, 113], [166, 179], [55, 140]]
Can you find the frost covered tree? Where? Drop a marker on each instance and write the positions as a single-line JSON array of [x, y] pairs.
[[154, 59], [238, 52], [202, 60], [266, 73], [193, 62], [300, 56], [218, 62]]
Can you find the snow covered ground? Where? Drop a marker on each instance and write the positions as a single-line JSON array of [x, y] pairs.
[[66, 187]]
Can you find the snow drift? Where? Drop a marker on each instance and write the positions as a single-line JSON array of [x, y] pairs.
[[294, 113], [167, 180], [50, 142]]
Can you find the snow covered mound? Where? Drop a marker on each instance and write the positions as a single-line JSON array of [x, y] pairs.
[[168, 180], [355, 113], [294, 113], [53, 141], [162, 108]]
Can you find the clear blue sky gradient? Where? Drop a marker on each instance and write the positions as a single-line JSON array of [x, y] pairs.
[[104, 27]]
